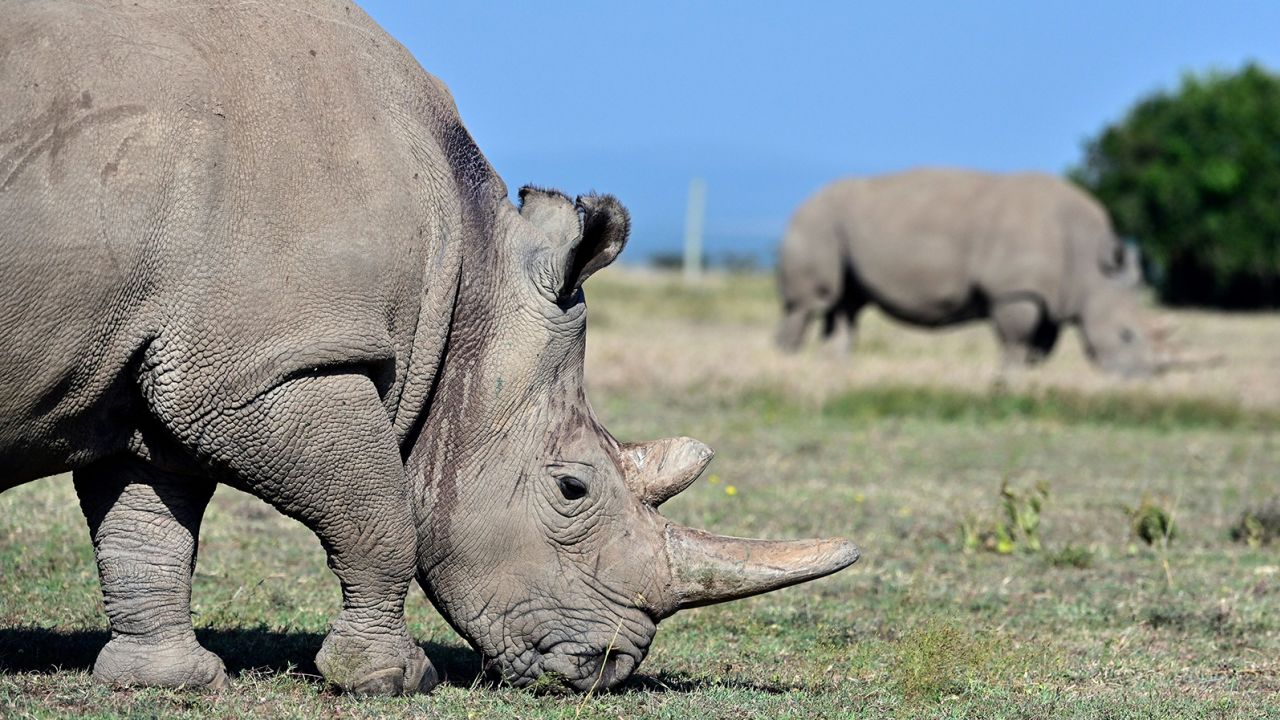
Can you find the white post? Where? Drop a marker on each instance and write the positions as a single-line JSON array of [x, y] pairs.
[[693, 217]]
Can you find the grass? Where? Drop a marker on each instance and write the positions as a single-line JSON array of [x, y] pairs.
[[941, 658], [1050, 404], [1090, 626], [1258, 525]]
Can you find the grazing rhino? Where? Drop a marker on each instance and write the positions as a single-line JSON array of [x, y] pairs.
[[938, 247], [252, 243]]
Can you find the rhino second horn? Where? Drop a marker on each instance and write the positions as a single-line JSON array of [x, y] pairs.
[[708, 569], [658, 471]]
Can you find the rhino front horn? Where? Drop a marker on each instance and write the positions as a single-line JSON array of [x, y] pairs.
[[708, 569], [1181, 362], [657, 471]]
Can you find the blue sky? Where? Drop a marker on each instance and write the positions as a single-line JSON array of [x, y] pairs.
[[770, 100]]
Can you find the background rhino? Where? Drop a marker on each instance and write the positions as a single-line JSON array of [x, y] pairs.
[[252, 243], [937, 247]]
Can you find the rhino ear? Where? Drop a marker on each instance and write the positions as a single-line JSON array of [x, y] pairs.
[[1122, 262], [585, 235], [605, 226], [552, 212]]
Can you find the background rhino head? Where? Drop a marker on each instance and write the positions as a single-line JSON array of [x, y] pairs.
[[539, 538], [1119, 336], [1116, 336]]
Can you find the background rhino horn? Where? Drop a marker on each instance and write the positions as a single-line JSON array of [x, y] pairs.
[[1162, 329], [657, 471], [1185, 362], [707, 569]]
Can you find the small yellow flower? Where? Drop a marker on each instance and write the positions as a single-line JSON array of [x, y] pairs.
[[859, 498], [730, 490], [713, 479]]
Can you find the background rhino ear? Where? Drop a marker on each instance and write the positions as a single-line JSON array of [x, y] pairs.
[[586, 235], [1122, 262]]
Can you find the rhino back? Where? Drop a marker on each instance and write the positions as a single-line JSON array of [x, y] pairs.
[[203, 201], [911, 258], [934, 246]]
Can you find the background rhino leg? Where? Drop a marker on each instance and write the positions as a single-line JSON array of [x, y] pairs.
[[145, 524], [837, 331], [840, 323], [791, 331], [1025, 332], [320, 449]]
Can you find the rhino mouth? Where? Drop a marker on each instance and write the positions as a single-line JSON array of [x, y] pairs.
[[608, 668], [568, 666]]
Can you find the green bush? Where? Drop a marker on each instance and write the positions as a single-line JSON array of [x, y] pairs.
[[1193, 176], [1017, 528], [1151, 523]]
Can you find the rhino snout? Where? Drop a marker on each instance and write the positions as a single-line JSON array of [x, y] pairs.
[[595, 668], [571, 665]]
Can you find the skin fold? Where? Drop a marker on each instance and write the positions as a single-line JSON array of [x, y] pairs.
[[253, 244]]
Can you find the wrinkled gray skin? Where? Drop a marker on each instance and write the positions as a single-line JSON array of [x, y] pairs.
[[936, 247], [253, 244]]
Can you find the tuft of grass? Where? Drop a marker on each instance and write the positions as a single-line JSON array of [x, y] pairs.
[[1071, 556], [551, 683], [1258, 526], [1151, 523], [1018, 528], [939, 658]]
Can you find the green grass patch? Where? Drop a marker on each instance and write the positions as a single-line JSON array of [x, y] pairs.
[[1071, 556], [1053, 405], [940, 657]]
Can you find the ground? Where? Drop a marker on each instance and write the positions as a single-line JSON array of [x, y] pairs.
[[1042, 602]]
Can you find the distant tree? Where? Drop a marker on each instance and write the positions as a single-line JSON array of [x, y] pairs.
[[1193, 176]]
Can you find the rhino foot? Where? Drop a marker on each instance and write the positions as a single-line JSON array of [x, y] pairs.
[[363, 666], [132, 662]]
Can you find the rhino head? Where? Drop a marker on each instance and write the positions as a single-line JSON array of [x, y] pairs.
[[539, 536], [1116, 336]]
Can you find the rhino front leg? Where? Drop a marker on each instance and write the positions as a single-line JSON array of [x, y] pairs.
[[791, 331], [1016, 322], [321, 450], [144, 524], [1027, 335]]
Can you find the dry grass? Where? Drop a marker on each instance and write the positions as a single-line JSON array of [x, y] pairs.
[[649, 330]]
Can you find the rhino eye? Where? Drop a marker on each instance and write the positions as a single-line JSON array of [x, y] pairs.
[[1126, 335], [571, 487]]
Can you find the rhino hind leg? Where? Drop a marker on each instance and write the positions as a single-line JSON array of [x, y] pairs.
[[321, 449], [145, 526], [840, 323]]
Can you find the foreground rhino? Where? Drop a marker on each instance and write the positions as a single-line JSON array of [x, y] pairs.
[[938, 247], [253, 244]]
